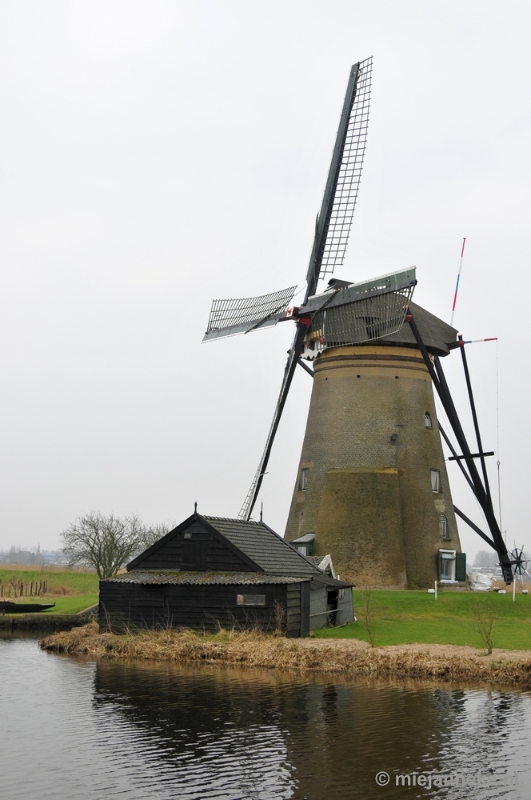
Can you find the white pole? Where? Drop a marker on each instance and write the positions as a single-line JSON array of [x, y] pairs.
[[436, 590], [514, 588], [457, 283]]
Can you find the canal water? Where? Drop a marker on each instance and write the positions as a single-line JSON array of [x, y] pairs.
[[74, 729]]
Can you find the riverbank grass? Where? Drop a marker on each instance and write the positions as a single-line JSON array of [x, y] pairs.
[[70, 605], [255, 649], [72, 591], [415, 617]]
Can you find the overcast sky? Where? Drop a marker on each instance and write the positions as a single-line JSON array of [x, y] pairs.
[[155, 155]]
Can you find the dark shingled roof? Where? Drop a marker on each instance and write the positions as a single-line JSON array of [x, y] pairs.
[[159, 577], [265, 547], [437, 335]]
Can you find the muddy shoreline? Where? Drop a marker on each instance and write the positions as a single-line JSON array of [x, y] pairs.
[[352, 658]]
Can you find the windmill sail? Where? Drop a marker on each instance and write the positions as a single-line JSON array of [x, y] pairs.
[[229, 317], [341, 191], [331, 233]]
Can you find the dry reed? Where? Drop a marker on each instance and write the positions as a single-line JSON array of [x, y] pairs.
[[255, 649]]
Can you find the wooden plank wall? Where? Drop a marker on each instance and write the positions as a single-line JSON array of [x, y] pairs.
[[144, 606], [293, 606], [212, 554]]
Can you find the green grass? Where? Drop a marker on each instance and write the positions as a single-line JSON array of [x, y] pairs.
[[63, 605], [60, 582], [70, 590], [417, 618], [71, 605]]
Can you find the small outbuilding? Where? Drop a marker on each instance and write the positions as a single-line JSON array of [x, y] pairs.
[[211, 571]]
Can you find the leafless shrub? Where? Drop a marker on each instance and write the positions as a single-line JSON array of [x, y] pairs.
[[280, 619], [483, 619], [367, 613]]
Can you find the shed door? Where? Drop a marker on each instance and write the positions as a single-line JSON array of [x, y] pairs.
[[194, 556]]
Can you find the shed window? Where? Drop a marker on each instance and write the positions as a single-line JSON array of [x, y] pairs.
[[304, 478], [250, 600], [427, 420], [443, 526], [435, 480]]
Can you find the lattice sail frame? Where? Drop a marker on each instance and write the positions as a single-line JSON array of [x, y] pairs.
[[359, 322], [346, 193], [242, 315]]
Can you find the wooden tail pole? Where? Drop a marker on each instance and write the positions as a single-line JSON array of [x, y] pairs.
[[474, 417], [480, 490]]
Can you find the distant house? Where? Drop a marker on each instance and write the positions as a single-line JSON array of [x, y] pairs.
[[210, 572]]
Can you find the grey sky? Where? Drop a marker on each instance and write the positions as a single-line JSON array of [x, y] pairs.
[[158, 154]]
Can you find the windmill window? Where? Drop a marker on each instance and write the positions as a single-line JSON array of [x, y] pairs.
[[304, 478], [435, 480], [427, 420], [443, 526]]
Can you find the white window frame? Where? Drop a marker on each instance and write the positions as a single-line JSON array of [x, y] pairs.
[[435, 477], [305, 475], [443, 525], [428, 422], [250, 600], [449, 557]]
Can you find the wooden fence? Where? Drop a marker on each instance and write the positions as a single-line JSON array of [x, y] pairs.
[[19, 589]]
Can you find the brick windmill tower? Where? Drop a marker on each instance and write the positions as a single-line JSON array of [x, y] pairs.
[[371, 487]]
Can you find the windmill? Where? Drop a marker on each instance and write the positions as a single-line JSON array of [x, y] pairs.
[[372, 486]]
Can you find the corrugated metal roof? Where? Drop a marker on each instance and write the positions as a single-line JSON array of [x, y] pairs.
[[265, 547], [161, 578]]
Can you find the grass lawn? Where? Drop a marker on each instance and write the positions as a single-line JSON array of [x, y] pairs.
[[70, 590], [415, 617], [71, 605], [60, 582], [63, 605]]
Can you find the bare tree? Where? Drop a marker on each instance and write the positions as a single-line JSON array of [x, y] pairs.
[[152, 533], [104, 542]]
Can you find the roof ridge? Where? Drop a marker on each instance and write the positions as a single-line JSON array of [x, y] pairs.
[[234, 519]]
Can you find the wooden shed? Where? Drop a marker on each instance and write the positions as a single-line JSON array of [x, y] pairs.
[[212, 571]]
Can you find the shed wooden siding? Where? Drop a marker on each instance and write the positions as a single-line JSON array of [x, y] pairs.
[[345, 605], [293, 610], [204, 552], [320, 616], [192, 606]]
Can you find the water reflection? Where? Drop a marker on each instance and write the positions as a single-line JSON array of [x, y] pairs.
[[140, 730], [311, 739]]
